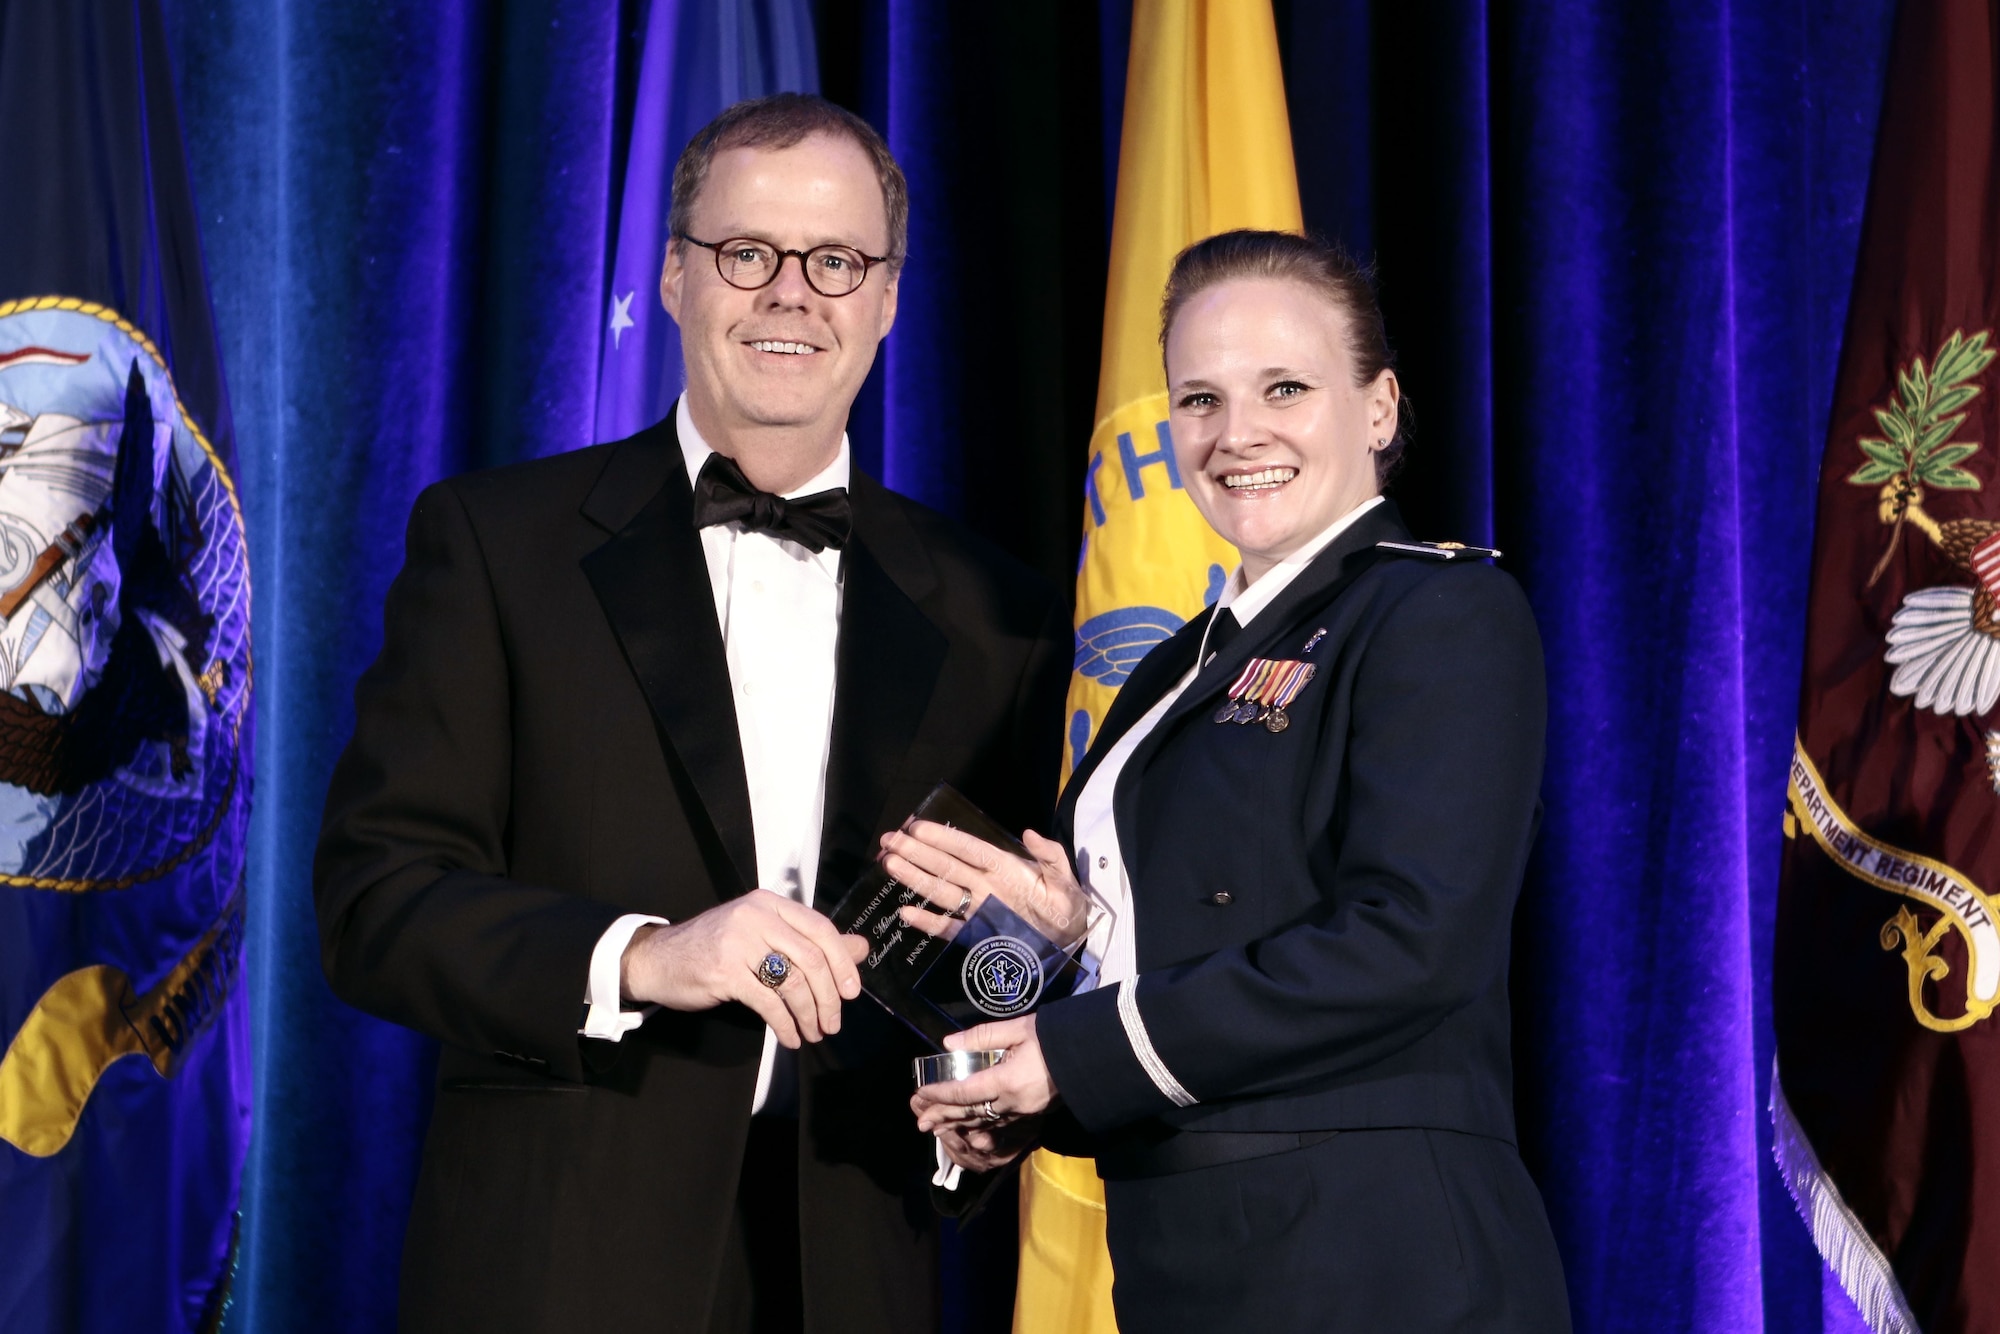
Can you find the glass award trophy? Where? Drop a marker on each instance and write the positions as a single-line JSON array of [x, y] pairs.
[[1002, 960]]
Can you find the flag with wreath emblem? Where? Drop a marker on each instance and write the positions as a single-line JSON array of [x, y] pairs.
[[1886, 1096]]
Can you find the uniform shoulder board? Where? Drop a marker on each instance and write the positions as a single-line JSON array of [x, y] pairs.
[[1441, 550]]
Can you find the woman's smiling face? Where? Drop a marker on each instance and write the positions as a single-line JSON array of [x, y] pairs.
[[1273, 438]]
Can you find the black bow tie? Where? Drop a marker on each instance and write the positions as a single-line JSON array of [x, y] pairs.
[[722, 494]]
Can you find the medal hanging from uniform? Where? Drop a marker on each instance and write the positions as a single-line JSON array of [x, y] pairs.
[[1262, 690]]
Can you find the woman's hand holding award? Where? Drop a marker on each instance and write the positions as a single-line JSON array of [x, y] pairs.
[[970, 929], [957, 873], [964, 924]]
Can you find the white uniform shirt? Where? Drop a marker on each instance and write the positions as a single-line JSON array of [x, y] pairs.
[[1100, 863], [779, 607]]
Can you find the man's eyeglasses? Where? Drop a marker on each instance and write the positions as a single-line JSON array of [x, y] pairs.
[[830, 270]]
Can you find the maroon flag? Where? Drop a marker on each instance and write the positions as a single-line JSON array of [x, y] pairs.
[[1886, 1097]]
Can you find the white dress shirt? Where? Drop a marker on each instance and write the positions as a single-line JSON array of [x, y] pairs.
[[779, 607], [1100, 863]]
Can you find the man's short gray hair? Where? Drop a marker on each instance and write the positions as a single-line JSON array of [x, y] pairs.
[[780, 121]]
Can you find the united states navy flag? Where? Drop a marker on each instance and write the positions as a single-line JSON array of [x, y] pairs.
[[124, 699]]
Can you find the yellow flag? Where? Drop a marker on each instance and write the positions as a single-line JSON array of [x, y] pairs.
[[1205, 148]]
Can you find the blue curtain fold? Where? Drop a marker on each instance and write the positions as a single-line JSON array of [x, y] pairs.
[[406, 207], [1615, 244], [922, 395], [1677, 194], [983, 393]]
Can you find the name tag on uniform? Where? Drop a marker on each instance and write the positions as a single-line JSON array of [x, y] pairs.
[[1262, 690]]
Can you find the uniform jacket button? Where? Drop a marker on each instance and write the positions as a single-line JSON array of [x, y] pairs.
[[1222, 898]]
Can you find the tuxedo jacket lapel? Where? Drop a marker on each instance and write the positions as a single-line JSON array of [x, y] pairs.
[[890, 656], [651, 578]]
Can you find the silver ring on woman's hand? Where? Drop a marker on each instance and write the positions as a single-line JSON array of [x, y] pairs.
[[962, 911], [986, 1112], [774, 970]]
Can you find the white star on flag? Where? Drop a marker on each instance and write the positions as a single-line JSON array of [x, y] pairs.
[[621, 315]]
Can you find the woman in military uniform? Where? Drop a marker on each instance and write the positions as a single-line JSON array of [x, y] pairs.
[[1311, 809]]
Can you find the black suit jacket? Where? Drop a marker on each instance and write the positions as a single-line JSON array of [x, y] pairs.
[[547, 741], [1323, 913]]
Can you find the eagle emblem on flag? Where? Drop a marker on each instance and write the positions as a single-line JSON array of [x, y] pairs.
[[1944, 642]]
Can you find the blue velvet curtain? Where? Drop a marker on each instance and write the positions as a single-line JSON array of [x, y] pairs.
[[1668, 242], [406, 209], [1615, 241]]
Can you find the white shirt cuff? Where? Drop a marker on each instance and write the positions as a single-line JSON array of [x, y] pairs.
[[948, 1172], [606, 1018]]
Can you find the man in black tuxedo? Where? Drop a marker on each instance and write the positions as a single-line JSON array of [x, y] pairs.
[[640, 715]]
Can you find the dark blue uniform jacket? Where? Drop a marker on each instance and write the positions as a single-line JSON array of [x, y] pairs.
[[1323, 913]]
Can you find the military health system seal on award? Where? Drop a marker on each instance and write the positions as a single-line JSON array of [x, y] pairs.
[[1002, 977]]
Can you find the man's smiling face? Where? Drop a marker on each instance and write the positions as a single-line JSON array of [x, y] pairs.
[[783, 355]]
